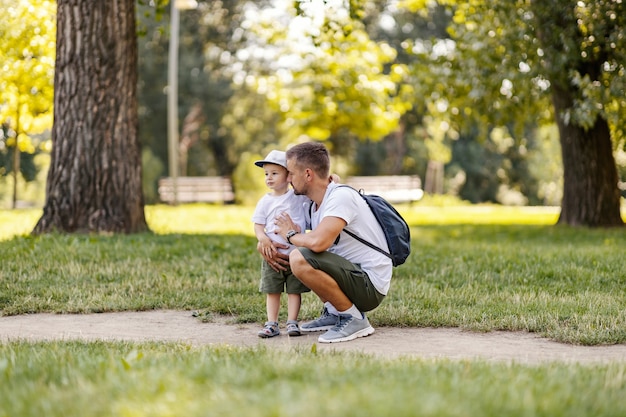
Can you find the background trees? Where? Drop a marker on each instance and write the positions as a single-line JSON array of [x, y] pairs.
[[460, 93], [505, 60], [27, 36]]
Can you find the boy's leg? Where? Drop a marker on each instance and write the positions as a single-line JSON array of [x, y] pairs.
[[293, 310], [294, 301], [272, 306], [272, 284]]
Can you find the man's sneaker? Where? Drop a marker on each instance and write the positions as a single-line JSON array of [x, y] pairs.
[[347, 328], [324, 322]]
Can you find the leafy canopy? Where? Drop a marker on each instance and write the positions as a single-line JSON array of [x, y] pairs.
[[27, 53], [325, 76], [502, 58]]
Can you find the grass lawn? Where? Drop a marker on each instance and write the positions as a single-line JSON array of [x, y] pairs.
[[120, 379], [478, 268]]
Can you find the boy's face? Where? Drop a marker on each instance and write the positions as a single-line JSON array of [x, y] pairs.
[[275, 176]]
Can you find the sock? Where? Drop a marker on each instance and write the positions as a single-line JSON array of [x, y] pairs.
[[354, 312], [331, 308]]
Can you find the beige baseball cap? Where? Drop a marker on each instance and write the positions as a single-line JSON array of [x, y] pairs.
[[274, 157]]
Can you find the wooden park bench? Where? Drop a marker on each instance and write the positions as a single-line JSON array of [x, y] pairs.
[[196, 190], [393, 188]]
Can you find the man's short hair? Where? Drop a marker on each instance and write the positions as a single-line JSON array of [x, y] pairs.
[[312, 155]]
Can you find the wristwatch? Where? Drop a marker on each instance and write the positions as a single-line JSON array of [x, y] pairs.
[[289, 235]]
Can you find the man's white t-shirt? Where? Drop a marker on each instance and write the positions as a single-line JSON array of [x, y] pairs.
[[270, 206], [346, 204]]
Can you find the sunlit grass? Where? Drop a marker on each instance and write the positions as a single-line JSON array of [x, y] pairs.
[[479, 214], [162, 219], [236, 219], [17, 222], [200, 218]]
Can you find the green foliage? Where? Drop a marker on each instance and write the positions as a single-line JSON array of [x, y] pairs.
[[546, 166], [331, 78], [479, 268], [205, 45], [503, 170], [501, 63], [148, 10], [26, 161], [152, 170], [267, 77], [102, 379], [253, 126], [249, 179], [485, 70], [585, 48], [27, 52], [504, 57]]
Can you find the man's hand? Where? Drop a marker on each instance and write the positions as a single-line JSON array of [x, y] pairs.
[[284, 224], [276, 260]]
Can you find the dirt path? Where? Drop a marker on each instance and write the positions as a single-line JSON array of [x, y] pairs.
[[181, 326]]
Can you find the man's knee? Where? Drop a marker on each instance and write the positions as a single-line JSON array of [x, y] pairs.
[[298, 263]]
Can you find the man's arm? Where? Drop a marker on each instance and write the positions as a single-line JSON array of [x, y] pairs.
[[319, 239]]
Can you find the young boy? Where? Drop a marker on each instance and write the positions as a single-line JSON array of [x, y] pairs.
[[281, 199]]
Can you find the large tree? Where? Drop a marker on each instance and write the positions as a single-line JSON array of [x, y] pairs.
[[584, 62], [94, 181], [507, 62]]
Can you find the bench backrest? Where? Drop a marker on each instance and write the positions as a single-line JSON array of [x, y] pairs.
[[197, 189], [393, 188]]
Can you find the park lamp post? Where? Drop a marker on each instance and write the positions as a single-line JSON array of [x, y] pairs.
[[172, 91]]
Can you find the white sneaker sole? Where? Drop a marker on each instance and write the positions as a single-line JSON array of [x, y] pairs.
[[361, 333]]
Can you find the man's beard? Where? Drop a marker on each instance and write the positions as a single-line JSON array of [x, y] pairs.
[[296, 191]]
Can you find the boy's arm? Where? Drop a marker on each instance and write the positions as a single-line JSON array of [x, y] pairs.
[[265, 243], [268, 249]]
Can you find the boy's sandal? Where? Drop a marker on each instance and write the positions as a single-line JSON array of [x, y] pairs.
[[269, 330], [292, 328]]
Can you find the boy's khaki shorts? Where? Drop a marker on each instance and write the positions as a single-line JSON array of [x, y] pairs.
[[273, 282]]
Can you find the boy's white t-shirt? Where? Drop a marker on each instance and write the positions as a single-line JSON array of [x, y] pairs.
[[270, 206], [346, 204]]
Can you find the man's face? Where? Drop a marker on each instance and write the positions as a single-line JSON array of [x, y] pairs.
[[296, 177]]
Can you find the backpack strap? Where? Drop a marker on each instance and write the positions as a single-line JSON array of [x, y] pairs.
[[365, 242]]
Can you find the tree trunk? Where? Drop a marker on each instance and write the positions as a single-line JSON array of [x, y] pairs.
[[395, 147], [16, 155], [94, 181], [591, 196]]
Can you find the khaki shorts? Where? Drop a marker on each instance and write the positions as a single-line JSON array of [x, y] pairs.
[[352, 280], [273, 282]]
